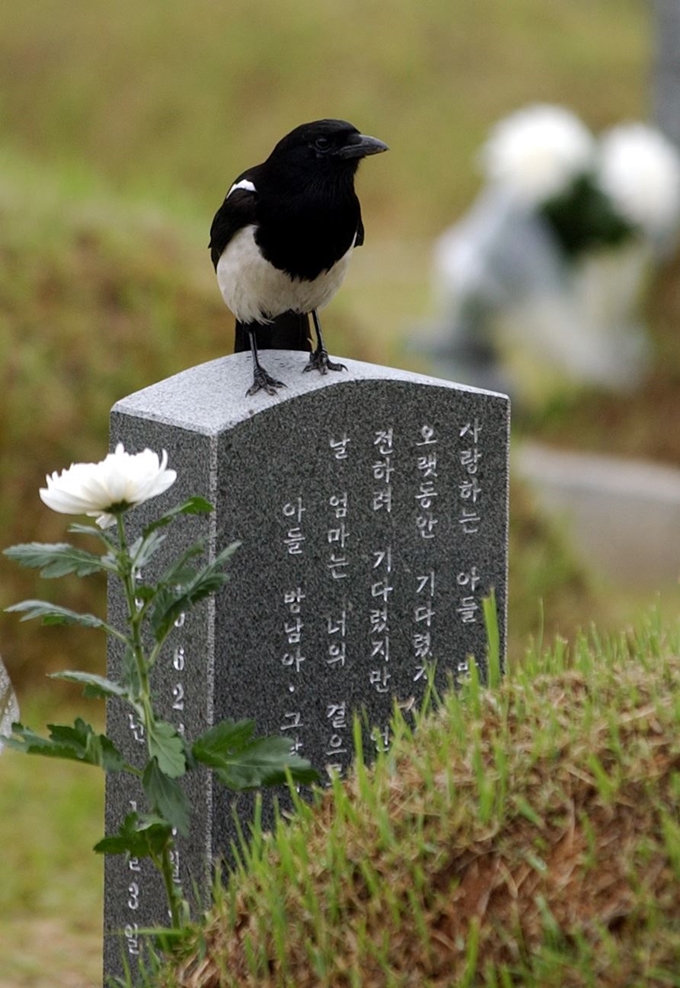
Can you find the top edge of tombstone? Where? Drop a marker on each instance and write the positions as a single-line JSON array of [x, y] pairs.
[[211, 397]]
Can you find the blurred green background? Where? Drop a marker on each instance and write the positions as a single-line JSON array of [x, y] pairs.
[[122, 125]]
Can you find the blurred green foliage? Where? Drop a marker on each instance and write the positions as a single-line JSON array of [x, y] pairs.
[[123, 124], [171, 99], [51, 891], [95, 301], [99, 301]]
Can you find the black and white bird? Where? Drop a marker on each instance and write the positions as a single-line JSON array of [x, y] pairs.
[[282, 239]]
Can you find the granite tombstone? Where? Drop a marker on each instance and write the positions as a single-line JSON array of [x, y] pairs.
[[372, 508], [666, 59]]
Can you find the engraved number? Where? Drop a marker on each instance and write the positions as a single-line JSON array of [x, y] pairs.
[[133, 896]]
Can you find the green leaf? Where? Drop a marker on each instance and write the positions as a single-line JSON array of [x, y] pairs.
[[56, 559], [94, 749], [171, 601], [138, 836], [79, 529], [225, 738], [145, 547], [97, 687], [78, 743], [53, 614], [144, 592], [167, 746], [166, 797], [179, 571], [241, 762], [194, 506], [129, 674]]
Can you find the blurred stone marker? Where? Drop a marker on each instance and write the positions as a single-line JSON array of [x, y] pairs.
[[372, 508], [666, 58], [9, 707]]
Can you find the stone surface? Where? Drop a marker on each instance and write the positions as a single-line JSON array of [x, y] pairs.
[[623, 516], [372, 509], [666, 35], [9, 706]]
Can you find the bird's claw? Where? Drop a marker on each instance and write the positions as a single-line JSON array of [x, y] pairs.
[[320, 361], [262, 381]]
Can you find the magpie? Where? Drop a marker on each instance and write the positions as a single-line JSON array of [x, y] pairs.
[[282, 239]]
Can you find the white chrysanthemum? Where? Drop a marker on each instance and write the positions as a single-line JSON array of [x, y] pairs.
[[640, 172], [101, 490], [537, 152]]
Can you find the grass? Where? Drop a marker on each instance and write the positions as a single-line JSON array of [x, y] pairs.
[[51, 889], [97, 301], [106, 297], [122, 127], [579, 703], [527, 835], [170, 100], [101, 297], [124, 124]]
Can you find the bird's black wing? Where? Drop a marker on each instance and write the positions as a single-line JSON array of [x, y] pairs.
[[237, 210], [360, 231], [288, 331]]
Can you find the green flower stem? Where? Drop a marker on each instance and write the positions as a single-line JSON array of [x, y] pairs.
[[127, 577], [126, 572], [155, 652], [172, 890], [113, 631]]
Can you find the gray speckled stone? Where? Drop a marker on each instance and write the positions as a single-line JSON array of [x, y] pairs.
[[372, 507], [666, 95]]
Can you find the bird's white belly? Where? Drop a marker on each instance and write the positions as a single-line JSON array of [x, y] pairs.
[[256, 291]]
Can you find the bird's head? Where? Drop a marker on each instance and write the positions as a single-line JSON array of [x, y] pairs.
[[326, 144]]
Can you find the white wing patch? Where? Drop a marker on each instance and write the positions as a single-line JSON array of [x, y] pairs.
[[245, 183]]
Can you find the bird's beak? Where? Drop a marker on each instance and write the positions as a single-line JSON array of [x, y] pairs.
[[360, 145]]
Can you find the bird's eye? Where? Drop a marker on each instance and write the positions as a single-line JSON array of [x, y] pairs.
[[322, 144]]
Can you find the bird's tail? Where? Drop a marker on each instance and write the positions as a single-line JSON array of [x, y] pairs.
[[289, 331]]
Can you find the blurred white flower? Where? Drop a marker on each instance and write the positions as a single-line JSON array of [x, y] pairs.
[[640, 171], [102, 490], [537, 152]]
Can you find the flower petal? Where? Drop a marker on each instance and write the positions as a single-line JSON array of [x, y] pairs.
[[118, 480], [537, 152], [640, 171]]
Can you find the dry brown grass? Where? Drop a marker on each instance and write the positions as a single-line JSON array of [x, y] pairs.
[[524, 837]]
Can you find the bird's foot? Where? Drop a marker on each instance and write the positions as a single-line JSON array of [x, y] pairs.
[[262, 381], [320, 361]]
